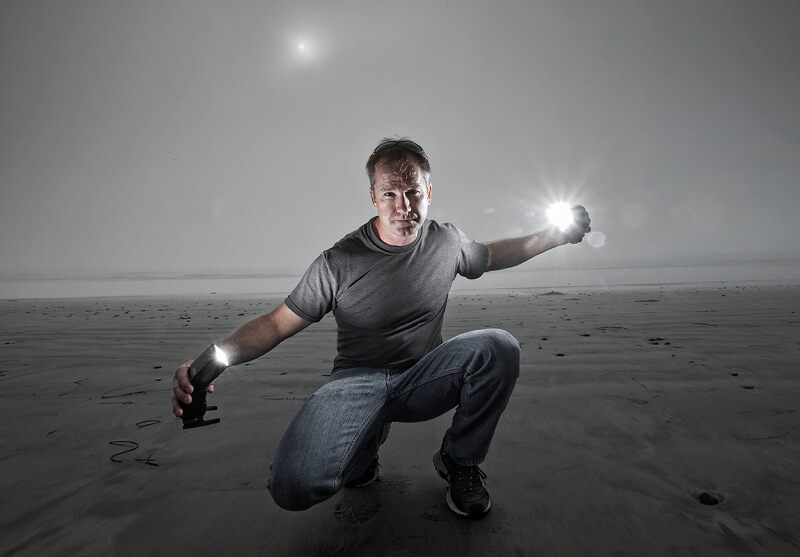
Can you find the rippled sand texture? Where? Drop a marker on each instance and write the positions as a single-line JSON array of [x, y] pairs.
[[645, 422]]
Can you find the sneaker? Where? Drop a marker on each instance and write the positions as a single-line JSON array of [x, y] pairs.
[[466, 494], [370, 475]]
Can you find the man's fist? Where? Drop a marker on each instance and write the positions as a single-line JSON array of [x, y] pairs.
[[580, 227]]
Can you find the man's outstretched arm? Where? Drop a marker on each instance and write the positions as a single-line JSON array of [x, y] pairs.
[[250, 341], [513, 251]]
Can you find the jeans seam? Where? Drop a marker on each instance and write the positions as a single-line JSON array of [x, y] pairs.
[[440, 375], [344, 461]]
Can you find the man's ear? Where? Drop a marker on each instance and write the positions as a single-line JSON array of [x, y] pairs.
[[430, 192], [372, 197]]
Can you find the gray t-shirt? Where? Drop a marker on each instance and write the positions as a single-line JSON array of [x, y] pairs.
[[388, 301]]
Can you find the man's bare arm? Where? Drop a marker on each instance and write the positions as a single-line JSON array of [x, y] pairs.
[[250, 341], [257, 337], [513, 251]]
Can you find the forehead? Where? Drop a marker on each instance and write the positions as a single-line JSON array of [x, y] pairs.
[[406, 174]]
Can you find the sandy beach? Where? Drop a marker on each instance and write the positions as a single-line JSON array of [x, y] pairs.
[[646, 421]]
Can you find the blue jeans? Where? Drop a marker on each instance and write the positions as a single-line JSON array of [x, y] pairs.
[[334, 436]]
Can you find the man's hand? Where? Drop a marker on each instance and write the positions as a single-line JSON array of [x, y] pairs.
[[580, 227], [182, 389], [250, 341]]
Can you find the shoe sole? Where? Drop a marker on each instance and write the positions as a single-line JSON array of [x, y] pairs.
[[453, 507], [441, 469]]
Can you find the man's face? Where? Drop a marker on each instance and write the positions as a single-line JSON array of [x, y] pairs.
[[402, 202]]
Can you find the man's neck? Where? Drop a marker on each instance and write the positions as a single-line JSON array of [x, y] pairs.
[[390, 240]]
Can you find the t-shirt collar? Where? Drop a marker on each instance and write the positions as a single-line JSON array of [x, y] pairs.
[[383, 246]]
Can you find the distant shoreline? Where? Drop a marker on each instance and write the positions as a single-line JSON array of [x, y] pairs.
[[163, 284]]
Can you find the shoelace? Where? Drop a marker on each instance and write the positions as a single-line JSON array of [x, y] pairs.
[[469, 479]]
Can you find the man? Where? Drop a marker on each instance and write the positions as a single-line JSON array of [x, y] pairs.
[[387, 285]]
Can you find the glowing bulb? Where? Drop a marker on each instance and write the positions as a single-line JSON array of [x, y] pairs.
[[220, 355], [560, 215]]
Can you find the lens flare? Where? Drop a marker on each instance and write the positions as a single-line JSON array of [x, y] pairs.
[[596, 239], [560, 215], [220, 355]]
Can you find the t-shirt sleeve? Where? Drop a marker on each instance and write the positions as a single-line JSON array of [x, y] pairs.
[[314, 295], [473, 258]]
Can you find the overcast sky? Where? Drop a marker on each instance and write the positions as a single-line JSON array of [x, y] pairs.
[[201, 137]]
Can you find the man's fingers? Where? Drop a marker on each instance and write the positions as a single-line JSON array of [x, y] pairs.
[[576, 232], [580, 214], [581, 226], [182, 375], [176, 408], [179, 392], [181, 389]]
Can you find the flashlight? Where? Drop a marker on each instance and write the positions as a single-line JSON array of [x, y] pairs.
[[560, 215], [202, 372]]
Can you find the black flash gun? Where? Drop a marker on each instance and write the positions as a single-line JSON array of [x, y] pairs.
[[202, 372]]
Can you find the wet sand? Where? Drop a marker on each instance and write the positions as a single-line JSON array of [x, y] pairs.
[[650, 421]]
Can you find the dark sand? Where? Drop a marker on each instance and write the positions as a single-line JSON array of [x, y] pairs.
[[631, 404]]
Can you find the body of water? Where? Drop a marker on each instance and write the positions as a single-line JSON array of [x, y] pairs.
[[775, 272]]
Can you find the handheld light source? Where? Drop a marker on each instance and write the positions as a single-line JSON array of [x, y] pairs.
[[202, 372], [560, 215]]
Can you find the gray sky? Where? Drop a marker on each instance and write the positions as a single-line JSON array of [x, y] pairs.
[[200, 137]]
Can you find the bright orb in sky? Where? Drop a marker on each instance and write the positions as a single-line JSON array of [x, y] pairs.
[[305, 49]]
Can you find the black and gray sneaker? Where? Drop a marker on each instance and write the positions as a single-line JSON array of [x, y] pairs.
[[466, 494], [370, 475]]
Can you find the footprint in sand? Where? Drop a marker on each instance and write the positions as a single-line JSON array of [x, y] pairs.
[[436, 513], [357, 509], [395, 485], [360, 505]]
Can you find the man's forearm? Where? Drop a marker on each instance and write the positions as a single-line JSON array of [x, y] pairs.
[[250, 341], [257, 337], [514, 251]]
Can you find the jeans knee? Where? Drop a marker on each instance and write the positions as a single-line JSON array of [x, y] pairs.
[[286, 495], [293, 490], [506, 349]]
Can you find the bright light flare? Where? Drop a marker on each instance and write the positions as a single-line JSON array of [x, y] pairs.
[[560, 215], [305, 49], [220, 355]]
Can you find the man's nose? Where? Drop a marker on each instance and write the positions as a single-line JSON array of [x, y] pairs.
[[403, 204]]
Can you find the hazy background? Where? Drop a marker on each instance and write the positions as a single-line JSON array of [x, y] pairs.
[[164, 138]]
